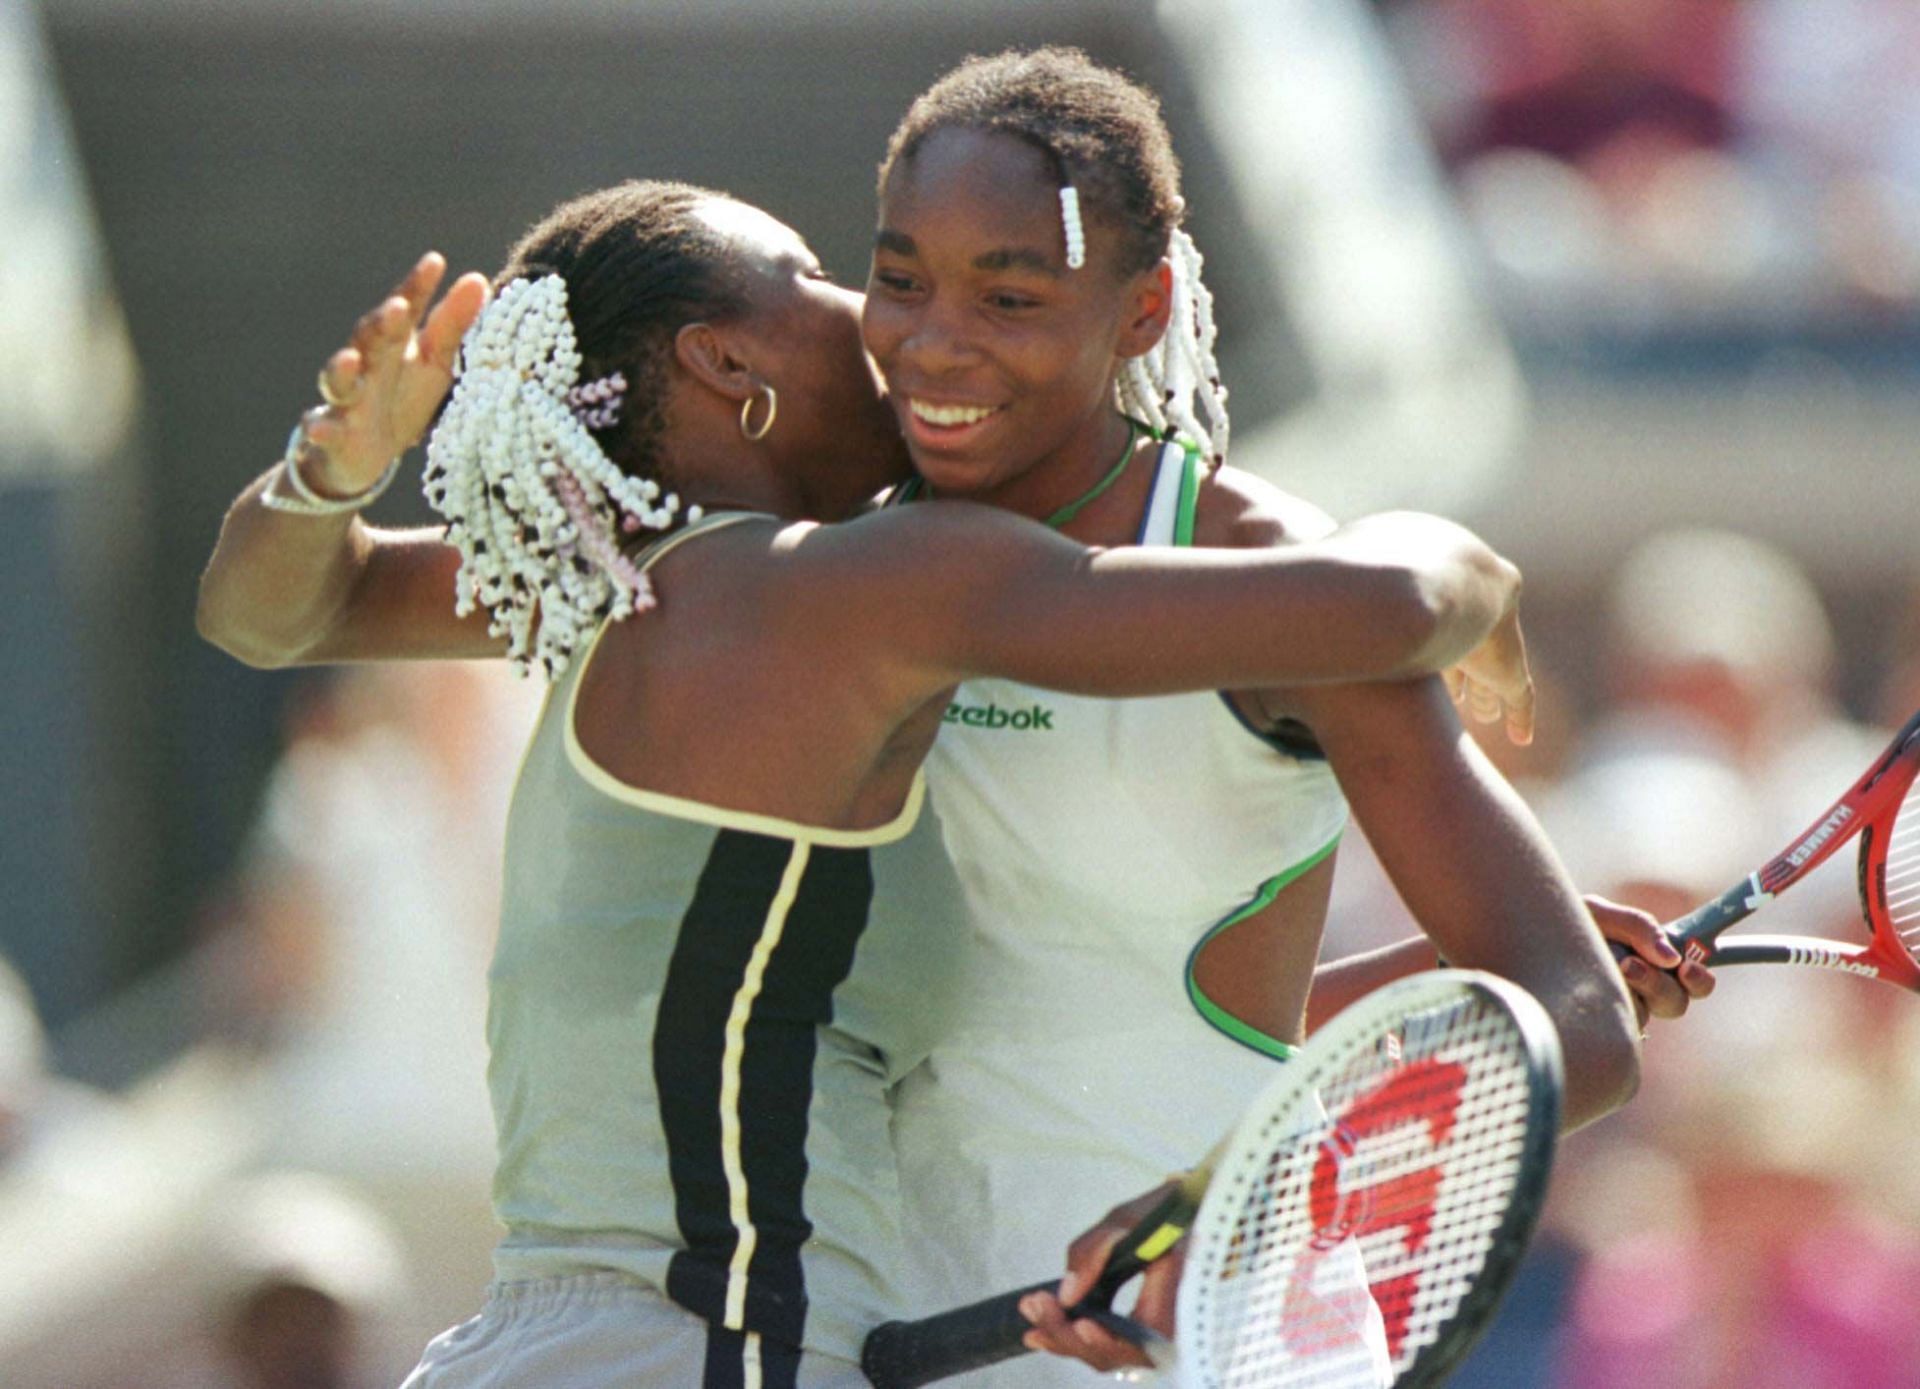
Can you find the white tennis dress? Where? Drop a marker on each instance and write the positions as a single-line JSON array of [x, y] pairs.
[[1100, 842]]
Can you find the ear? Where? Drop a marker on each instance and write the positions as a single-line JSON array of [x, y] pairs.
[[1149, 304], [706, 354]]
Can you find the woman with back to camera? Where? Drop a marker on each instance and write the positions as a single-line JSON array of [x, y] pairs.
[[723, 907], [1147, 880]]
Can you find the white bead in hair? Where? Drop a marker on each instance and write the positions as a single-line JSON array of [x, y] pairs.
[[531, 499], [1076, 234], [1164, 386]]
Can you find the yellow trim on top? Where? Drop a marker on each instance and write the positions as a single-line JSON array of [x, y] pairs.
[[747, 1236], [700, 812]]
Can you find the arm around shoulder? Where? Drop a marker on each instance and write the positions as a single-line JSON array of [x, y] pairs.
[[954, 590]]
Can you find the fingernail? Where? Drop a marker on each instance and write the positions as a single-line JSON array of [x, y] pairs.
[[1664, 949], [1633, 969], [1070, 1289]]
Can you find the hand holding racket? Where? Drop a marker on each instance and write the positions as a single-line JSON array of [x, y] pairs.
[[1882, 809], [1359, 1225]]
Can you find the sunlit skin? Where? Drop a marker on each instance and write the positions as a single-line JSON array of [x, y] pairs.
[[835, 435], [970, 305], [974, 318]]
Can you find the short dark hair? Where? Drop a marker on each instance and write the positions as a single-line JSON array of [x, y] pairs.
[[1103, 132], [639, 265]]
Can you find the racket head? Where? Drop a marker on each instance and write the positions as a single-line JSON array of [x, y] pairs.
[[1890, 865], [1407, 1147]]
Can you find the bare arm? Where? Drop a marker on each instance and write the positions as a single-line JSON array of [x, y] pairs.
[[1477, 873], [287, 590], [1656, 993], [939, 593]]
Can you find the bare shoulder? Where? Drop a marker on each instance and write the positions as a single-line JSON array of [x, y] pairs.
[[1237, 510], [923, 546]]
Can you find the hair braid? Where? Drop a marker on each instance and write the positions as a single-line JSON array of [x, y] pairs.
[[537, 506]]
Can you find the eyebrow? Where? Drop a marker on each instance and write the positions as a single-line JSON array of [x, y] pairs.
[[1006, 258]]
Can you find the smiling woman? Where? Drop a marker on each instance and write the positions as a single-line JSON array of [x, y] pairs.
[[726, 924], [1146, 881]]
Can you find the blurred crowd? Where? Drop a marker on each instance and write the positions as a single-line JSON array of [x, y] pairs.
[[301, 1197], [1652, 163], [1752, 1220], [297, 1199]]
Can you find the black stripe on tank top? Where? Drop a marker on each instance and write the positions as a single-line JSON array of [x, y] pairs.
[[723, 925], [727, 1356]]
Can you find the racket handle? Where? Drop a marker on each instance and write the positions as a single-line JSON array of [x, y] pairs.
[[1156, 1232], [903, 1354], [1709, 919]]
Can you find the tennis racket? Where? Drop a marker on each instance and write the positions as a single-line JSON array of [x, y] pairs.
[[1359, 1225], [1883, 810]]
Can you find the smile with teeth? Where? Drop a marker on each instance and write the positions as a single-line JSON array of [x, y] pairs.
[[950, 416]]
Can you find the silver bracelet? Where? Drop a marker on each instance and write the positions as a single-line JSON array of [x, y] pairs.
[[302, 500]]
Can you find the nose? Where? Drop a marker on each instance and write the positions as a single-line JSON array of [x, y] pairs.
[[935, 341]]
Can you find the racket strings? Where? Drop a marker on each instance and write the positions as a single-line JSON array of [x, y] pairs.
[[1352, 1250], [1901, 885]]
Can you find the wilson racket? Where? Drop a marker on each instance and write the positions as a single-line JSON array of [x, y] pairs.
[[1883, 810], [1356, 1229]]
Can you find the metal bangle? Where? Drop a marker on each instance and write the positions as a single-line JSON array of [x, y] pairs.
[[301, 500]]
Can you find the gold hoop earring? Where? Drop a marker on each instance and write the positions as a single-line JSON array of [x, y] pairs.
[[746, 413]]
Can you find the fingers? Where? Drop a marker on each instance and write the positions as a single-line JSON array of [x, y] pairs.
[[440, 335], [1055, 1333], [340, 377], [1635, 929], [1160, 1291], [1520, 716], [1087, 1257], [381, 336], [1656, 993], [1696, 979], [419, 283], [1661, 984]]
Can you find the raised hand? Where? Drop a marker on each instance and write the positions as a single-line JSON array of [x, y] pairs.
[[383, 387]]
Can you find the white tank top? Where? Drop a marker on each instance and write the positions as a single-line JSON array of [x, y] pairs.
[[1100, 842]]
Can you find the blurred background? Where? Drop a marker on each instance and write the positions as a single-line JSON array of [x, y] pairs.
[[1631, 286]]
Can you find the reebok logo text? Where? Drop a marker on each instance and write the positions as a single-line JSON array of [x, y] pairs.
[[1039, 718]]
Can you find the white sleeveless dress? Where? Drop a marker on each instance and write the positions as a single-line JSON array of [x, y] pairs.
[[1100, 842]]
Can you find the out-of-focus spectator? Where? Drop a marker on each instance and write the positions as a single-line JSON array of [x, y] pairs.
[[1898, 695], [1584, 80], [366, 915], [1830, 101], [307, 1279], [1632, 163]]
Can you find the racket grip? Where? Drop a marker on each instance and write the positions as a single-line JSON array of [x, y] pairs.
[[903, 1354]]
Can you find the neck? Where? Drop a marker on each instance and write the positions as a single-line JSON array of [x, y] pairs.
[[1065, 476], [730, 478]]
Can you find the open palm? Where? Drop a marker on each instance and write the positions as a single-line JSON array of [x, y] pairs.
[[383, 387]]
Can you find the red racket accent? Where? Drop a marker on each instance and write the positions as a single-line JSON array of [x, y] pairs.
[[1883, 810]]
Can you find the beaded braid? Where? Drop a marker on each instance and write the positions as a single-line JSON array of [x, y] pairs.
[[1163, 386], [531, 499]]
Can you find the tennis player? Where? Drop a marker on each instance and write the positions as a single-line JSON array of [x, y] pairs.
[[726, 917], [1147, 880]]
